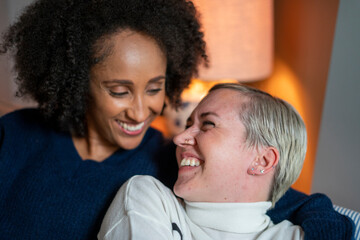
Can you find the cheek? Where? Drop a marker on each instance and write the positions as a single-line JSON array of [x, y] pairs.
[[108, 106], [224, 164], [224, 181], [105, 104]]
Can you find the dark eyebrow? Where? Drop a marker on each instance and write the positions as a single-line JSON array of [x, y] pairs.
[[157, 79], [207, 114], [129, 82], [124, 82]]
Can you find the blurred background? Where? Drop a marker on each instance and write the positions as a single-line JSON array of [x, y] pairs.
[[305, 52]]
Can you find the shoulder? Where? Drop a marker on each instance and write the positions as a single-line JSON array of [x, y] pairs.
[[140, 195], [142, 203], [22, 118], [143, 194], [142, 185], [27, 123], [24, 129], [22, 112]]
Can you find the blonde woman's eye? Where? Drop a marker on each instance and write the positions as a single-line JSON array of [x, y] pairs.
[[209, 123], [206, 125]]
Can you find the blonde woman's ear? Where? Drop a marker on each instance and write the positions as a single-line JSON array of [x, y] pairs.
[[270, 159], [265, 163]]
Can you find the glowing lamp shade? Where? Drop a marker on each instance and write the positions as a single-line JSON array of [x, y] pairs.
[[239, 38]]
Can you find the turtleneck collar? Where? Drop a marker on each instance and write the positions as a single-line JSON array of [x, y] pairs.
[[229, 217]]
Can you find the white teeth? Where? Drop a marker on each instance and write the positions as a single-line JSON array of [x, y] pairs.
[[190, 161], [131, 128]]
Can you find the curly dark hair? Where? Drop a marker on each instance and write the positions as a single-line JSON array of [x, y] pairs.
[[55, 44]]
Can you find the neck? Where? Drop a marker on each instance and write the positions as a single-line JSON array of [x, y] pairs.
[[92, 148]]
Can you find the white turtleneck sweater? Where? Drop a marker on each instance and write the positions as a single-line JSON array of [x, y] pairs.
[[145, 209]]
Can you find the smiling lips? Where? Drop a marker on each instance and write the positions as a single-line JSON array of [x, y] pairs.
[[131, 129]]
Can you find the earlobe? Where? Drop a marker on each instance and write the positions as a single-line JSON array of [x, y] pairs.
[[256, 167], [265, 162]]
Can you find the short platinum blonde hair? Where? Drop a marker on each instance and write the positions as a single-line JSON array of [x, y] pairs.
[[272, 122]]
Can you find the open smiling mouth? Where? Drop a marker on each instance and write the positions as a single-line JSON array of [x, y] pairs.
[[190, 161], [131, 129]]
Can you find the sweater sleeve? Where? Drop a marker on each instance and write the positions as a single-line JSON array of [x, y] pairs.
[[315, 214], [140, 210]]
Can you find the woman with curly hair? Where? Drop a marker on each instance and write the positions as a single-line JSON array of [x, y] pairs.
[[100, 71]]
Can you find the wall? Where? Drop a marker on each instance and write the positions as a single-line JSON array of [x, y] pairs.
[[304, 33], [338, 160], [9, 10], [5, 94]]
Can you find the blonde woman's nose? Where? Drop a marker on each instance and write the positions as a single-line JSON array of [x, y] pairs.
[[184, 138]]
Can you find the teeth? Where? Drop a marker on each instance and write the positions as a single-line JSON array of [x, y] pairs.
[[131, 128], [190, 161]]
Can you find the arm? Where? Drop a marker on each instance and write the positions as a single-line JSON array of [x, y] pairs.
[[143, 207], [315, 214]]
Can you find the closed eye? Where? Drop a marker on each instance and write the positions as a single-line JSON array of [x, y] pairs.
[[118, 94], [206, 125], [117, 88], [154, 91]]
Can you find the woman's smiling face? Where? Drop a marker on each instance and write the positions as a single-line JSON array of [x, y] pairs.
[[212, 155], [127, 90]]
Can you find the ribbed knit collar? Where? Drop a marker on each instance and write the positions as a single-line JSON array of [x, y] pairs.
[[230, 217]]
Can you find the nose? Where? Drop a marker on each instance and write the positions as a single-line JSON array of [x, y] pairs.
[[185, 138], [138, 110]]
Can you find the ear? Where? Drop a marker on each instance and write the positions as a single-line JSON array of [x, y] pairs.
[[265, 162]]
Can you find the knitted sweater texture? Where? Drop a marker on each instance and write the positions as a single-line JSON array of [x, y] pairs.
[[48, 192]]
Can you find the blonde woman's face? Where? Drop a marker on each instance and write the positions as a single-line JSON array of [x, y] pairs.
[[211, 153]]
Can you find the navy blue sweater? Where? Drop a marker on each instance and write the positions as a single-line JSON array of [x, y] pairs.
[[48, 192]]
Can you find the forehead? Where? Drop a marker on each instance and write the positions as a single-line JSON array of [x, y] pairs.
[[222, 101], [131, 56], [127, 46]]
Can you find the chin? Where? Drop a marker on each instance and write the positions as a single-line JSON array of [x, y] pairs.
[[129, 143], [130, 146], [180, 192]]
